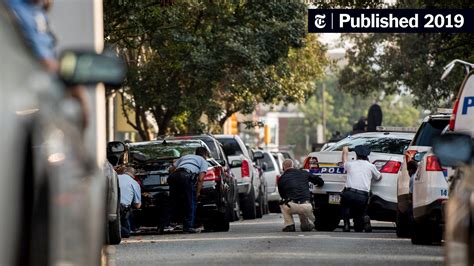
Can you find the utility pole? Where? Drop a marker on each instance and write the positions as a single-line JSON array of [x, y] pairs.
[[323, 104]]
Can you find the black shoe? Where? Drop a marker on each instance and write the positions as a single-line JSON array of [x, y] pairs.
[[346, 228], [191, 231], [289, 228]]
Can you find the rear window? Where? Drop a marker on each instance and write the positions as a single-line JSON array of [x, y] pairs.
[[382, 145], [212, 146], [231, 147], [428, 131], [266, 159]]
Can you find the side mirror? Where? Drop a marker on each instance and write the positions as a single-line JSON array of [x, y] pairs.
[[236, 163], [89, 68], [264, 166], [419, 156], [258, 155], [115, 147], [222, 162], [453, 149], [138, 156]]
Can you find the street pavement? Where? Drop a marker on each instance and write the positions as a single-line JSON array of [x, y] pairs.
[[262, 242]]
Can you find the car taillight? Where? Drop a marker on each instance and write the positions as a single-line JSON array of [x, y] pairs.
[[245, 168], [452, 119], [409, 155], [311, 163], [432, 164], [391, 167], [213, 174]]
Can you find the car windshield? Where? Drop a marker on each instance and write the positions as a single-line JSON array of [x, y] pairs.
[[428, 131], [155, 151], [231, 147], [382, 145]]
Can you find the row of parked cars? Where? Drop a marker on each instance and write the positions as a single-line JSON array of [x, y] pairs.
[[440, 197], [239, 183]]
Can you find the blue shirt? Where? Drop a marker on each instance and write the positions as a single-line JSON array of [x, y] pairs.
[[129, 190], [194, 163], [35, 27]]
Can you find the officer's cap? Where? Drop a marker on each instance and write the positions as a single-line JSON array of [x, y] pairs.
[[362, 150]]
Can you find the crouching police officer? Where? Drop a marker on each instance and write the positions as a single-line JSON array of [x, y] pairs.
[[185, 185], [293, 187], [130, 196], [355, 197]]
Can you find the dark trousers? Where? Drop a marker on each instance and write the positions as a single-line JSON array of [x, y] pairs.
[[125, 220], [183, 197], [354, 204]]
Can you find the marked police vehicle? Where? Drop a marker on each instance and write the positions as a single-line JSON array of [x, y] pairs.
[[456, 150], [431, 127], [387, 148]]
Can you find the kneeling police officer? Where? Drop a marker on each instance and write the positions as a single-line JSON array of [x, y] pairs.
[[293, 187]]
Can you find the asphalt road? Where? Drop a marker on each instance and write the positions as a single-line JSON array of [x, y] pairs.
[[262, 242]]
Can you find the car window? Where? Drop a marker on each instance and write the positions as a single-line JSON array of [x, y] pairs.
[[382, 145], [266, 159], [428, 131], [275, 156], [231, 147], [158, 151], [212, 147]]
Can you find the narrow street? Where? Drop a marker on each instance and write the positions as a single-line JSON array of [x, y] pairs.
[[262, 242]]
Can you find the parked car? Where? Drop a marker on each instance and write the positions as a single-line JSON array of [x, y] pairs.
[[112, 206], [456, 150], [289, 155], [271, 173], [218, 154], [55, 191], [431, 127], [387, 155], [248, 178], [152, 159]]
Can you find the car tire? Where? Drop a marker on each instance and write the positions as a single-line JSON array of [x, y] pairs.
[[248, 206], [219, 224], [259, 211], [236, 213], [326, 219], [425, 233], [274, 207], [114, 232], [403, 225]]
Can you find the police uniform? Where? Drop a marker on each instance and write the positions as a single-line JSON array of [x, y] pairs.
[[182, 187], [130, 193], [355, 197], [293, 187]]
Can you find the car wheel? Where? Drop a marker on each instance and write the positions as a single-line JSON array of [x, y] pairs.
[[326, 219], [259, 212], [425, 233], [236, 213], [219, 224], [248, 206], [274, 206], [114, 232], [403, 225]]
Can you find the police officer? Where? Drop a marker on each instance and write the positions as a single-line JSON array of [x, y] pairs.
[[355, 197], [186, 181], [130, 196], [293, 187]]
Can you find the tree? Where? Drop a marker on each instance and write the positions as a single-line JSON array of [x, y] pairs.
[[396, 63], [194, 58]]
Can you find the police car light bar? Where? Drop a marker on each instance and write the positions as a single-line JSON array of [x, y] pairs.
[[444, 111], [396, 129]]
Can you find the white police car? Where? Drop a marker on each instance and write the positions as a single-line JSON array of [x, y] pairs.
[[387, 155]]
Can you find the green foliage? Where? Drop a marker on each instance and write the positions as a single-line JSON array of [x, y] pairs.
[[395, 63], [215, 58]]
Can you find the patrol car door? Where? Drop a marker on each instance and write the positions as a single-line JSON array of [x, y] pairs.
[[464, 107]]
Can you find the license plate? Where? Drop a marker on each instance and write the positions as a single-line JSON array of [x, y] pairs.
[[334, 199]]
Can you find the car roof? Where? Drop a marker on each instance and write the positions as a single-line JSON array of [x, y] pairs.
[[222, 136], [437, 116], [158, 142], [398, 135]]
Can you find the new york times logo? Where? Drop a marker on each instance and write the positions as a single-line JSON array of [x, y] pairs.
[[320, 21], [391, 20]]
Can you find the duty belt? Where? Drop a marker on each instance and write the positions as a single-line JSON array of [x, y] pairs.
[[365, 193], [184, 170]]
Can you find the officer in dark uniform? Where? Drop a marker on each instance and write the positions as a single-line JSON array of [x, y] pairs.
[[355, 197], [185, 180]]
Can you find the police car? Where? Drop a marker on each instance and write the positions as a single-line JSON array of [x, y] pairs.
[[387, 154], [456, 150], [431, 127]]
